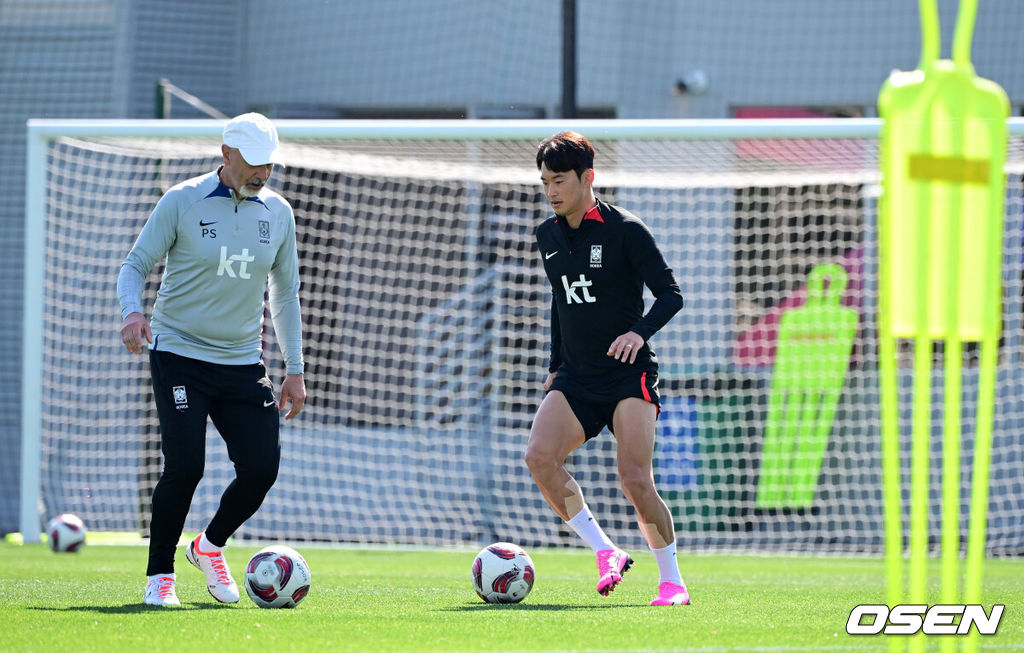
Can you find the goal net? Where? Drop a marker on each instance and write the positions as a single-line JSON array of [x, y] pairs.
[[425, 313]]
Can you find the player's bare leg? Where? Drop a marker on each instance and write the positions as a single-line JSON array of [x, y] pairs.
[[633, 423], [555, 434]]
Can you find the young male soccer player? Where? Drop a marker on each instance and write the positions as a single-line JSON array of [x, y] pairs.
[[225, 234], [602, 372]]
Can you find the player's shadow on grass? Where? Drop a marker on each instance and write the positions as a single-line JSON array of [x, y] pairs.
[[531, 606], [130, 608]]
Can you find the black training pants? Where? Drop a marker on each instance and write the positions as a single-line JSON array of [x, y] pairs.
[[240, 401]]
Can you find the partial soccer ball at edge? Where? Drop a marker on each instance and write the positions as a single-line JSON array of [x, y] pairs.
[[502, 573], [277, 577], [65, 533]]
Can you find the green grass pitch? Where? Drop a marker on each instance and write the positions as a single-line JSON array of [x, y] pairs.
[[388, 600]]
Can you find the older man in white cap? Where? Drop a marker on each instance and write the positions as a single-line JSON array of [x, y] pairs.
[[226, 237]]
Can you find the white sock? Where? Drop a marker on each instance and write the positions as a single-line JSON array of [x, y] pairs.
[[206, 545], [668, 566], [589, 530]]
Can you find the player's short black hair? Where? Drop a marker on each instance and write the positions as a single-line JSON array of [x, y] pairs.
[[566, 151]]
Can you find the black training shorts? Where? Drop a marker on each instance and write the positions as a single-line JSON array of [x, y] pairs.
[[594, 404]]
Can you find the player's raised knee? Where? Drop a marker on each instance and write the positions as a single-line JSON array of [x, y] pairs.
[[636, 483]]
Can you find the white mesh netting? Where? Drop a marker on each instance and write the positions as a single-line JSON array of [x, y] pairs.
[[426, 333]]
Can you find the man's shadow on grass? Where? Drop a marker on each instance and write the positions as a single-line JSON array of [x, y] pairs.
[[549, 607], [130, 608]]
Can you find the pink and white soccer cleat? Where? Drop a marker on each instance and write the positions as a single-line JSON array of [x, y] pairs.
[[213, 565], [671, 594], [611, 564], [160, 591]]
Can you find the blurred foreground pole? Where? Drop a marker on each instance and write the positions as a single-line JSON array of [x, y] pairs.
[[568, 58]]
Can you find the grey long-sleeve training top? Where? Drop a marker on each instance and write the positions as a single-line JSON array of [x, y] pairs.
[[221, 255]]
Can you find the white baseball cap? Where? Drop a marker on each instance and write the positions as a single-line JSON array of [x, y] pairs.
[[255, 137]]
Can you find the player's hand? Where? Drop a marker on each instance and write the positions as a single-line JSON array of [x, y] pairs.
[[294, 390], [134, 329], [548, 381], [625, 347]]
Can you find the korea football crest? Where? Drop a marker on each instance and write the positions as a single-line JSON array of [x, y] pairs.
[[180, 397], [595, 256], [264, 227]]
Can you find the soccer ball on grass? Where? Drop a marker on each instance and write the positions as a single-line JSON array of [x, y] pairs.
[[277, 577], [502, 573], [65, 533]]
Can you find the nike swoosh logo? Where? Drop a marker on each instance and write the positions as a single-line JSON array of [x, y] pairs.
[[268, 404], [207, 224], [547, 256]]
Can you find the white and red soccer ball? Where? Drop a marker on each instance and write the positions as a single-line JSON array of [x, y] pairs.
[[277, 577], [65, 533], [502, 573]]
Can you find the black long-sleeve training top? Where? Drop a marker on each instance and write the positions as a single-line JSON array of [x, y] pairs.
[[597, 273]]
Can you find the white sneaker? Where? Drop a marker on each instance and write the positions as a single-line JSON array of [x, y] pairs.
[[213, 565], [160, 590]]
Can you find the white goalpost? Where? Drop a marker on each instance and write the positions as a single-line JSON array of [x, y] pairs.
[[426, 330]]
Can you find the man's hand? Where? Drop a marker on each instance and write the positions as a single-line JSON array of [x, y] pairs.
[[625, 347], [294, 390], [549, 381], [134, 329]]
